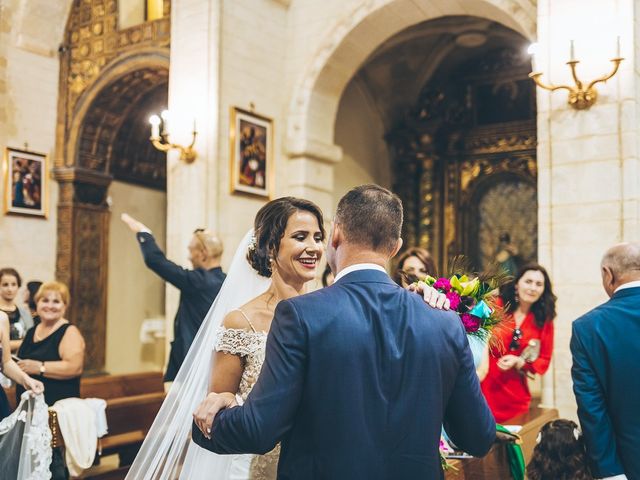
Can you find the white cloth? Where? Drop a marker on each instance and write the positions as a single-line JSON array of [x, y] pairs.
[[25, 440], [99, 407], [633, 284], [77, 422], [356, 267], [617, 477], [168, 442]]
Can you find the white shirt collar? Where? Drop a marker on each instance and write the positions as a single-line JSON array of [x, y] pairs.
[[628, 285], [356, 267]]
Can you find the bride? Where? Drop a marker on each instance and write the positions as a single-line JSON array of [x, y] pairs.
[[272, 264]]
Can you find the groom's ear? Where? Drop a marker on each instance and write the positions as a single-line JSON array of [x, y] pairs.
[[336, 235], [397, 248]]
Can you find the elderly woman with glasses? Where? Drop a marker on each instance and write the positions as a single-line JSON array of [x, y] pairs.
[[198, 287], [524, 343]]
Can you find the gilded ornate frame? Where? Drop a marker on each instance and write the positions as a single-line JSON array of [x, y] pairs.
[[238, 115]]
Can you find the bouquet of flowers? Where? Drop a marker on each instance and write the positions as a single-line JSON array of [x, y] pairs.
[[473, 300]]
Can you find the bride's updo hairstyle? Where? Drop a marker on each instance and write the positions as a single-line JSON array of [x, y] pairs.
[[269, 227]]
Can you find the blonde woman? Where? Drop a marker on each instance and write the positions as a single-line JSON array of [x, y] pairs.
[[53, 351]]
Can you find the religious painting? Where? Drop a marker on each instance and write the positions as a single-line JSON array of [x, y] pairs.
[[25, 183], [251, 138], [505, 226]]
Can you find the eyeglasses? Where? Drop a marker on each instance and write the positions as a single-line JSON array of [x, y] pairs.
[[515, 339]]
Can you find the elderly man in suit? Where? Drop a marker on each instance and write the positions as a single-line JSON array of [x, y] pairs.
[[605, 345], [360, 376]]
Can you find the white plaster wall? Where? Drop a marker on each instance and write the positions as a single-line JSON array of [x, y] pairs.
[[134, 293], [223, 54], [28, 103], [252, 65], [360, 133]]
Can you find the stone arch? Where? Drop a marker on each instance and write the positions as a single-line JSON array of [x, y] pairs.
[[353, 38], [130, 76]]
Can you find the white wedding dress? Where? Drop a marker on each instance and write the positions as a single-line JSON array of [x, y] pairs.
[[250, 346], [25, 440], [168, 452]]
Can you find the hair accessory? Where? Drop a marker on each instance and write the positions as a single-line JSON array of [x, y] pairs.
[[576, 433], [539, 437], [252, 242]]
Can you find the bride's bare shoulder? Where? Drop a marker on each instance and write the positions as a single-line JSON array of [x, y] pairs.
[[253, 315], [241, 318], [236, 320]]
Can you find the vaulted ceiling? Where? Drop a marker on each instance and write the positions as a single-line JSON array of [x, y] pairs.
[[396, 73]]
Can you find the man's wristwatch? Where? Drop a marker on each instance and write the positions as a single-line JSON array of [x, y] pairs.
[[42, 368]]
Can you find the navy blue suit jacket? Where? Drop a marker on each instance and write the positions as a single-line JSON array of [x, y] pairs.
[[606, 381], [357, 382]]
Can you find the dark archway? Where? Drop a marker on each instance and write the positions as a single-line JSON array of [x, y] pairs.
[[112, 142], [472, 125]]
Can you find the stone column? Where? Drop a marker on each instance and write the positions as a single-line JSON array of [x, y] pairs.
[[194, 76], [311, 173], [587, 162], [82, 255]]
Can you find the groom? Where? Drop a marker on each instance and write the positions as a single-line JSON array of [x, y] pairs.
[[358, 377]]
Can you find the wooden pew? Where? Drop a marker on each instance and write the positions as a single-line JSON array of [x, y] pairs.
[[111, 386], [133, 400], [495, 464]]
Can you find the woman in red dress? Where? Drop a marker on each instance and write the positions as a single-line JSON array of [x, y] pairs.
[[529, 307]]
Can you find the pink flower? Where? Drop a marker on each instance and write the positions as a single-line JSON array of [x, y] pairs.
[[454, 299], [471, 322], [442, 284]]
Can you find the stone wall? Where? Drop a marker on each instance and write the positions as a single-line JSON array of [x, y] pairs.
[[28, 101], [587, 161]]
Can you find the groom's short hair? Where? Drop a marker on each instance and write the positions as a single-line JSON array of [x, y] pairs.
[[370, 215]]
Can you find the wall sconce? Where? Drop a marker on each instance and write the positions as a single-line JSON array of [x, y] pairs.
[[580, 97], [161, 141]]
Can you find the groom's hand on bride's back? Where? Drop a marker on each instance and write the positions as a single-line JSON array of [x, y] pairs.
[[431, 295], [209, 408]]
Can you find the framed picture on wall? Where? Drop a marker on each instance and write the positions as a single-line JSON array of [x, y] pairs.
[[251, 139], [25, 182]]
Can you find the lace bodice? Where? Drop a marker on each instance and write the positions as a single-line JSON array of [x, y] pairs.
[[250, 347]]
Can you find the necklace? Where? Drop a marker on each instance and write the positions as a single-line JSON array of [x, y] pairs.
[[53, 328]]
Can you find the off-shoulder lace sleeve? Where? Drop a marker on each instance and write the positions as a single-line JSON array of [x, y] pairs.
[[237, 341]]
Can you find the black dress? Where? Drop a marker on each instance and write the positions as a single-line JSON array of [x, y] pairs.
[[47, 350]]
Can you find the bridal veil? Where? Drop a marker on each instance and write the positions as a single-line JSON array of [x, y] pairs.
[[165, 447]]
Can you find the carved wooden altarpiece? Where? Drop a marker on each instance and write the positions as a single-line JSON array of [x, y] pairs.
[[105, 75], [465, 162]]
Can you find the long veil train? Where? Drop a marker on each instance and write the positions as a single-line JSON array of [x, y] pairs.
[[165, 448]]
